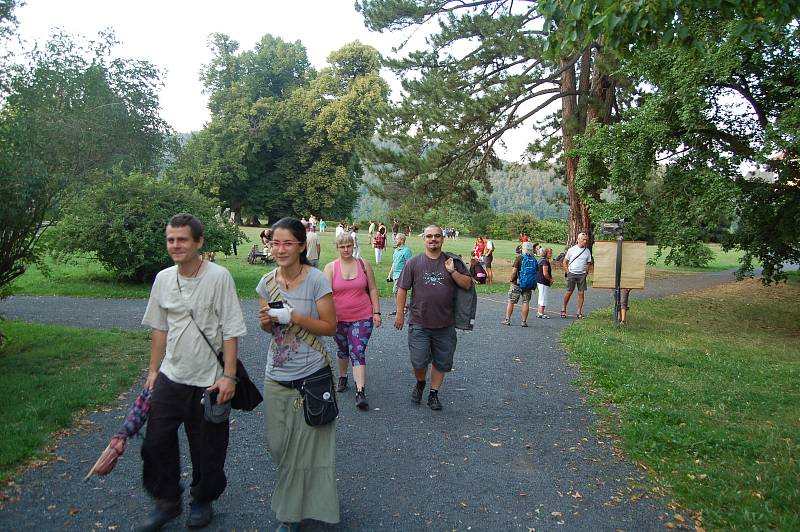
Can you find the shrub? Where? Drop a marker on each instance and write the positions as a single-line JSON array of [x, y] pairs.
[[552, 230], [122, 223]]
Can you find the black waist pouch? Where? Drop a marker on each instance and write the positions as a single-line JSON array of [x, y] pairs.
[[319, 397]]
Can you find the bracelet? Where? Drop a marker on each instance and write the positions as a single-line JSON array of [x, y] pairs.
[[378, 313], [234, 378]]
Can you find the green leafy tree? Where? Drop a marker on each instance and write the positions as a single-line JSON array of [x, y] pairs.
[[122, 223], [712, 106], [489, 69], [283, 138], [70, 115]]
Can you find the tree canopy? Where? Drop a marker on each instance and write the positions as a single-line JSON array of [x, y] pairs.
[[284, 139], [70, 115]]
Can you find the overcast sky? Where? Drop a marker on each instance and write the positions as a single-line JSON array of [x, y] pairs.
[[173, 35]]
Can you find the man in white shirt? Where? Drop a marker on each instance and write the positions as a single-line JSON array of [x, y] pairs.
[[576, 263], [192, 296]]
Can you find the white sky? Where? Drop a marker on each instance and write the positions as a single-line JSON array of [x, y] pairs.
[[173, 35]]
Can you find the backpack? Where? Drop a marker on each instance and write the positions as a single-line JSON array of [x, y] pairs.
[[526, 277], [465, 302]]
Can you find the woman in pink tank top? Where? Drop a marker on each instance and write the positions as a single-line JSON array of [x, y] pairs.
[[358, 310]]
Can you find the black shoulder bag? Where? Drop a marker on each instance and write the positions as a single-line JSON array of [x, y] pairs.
[[247, 396]]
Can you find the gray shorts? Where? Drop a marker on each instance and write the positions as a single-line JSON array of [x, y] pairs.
[[515, 292], [487, 260], [576, 279], [435, 346]]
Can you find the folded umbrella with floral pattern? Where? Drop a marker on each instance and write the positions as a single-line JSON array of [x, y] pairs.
[[134, 421]]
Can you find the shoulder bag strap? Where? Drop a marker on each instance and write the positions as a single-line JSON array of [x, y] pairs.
[[191, 316], [308, 338]]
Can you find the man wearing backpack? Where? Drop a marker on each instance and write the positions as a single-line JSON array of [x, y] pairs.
[[433, 278], [523, 283]]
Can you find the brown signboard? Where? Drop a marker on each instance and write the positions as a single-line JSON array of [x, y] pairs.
[[634, 258]]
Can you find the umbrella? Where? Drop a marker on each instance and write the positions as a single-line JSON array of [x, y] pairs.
[[134, 421]]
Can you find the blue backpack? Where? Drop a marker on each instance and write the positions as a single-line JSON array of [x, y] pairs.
[[526, 277]]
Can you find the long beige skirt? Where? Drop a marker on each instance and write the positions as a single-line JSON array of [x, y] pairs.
[[306, 458]]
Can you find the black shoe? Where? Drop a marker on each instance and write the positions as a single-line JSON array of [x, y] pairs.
[[164, 512], [342, 384], [433, 401], [416, 393], [200, 514], [361, 400]]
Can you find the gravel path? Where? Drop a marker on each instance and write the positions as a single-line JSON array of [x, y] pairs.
[[513, 448]]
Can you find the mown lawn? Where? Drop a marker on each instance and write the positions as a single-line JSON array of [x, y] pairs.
[[49, 374], [85, 277], [705, 391]]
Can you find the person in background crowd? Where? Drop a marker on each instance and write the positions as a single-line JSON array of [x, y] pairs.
[[477, 249], [265, 236], [379, 243], [371, 230], [544, 279], [358, 310], [312, 246], [305, 455], [519, 273], [399, 258], [395, 229], [624, 297], [191, 304], [356, 246], [339, 230], [488, 257], [576, 262], [322, 225], [433, 278]]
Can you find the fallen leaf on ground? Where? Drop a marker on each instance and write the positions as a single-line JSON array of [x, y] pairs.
[[493, 444], [73, 511], [555, 514]]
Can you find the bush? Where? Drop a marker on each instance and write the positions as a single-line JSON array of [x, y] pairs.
[[552, 230], [122, 223]]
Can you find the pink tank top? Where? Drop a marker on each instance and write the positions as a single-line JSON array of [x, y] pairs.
[[350, 295]]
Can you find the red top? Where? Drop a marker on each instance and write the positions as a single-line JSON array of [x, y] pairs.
[[350, 295]]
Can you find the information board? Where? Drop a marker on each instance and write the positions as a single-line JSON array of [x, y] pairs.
[[634, 258]]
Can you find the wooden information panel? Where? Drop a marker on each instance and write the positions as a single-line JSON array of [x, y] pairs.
[[634, 257]]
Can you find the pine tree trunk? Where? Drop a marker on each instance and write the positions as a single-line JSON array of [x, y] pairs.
[[579, 219]]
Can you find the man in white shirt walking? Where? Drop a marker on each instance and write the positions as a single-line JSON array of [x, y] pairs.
[[576, 263], [190, 300]]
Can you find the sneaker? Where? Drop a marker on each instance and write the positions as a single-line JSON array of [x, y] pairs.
[[164, 512], [200, 514], [342, 384], [505, 322], [543, 316], [416, 394], [524, 324], [288, 527], [361, 400], [433, 401]]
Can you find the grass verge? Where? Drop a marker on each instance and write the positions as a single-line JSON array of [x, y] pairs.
[[705, 391], [49, 373], [85, 277]]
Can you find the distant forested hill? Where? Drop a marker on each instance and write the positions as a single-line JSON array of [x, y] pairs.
[[516, 188], [521, 188]]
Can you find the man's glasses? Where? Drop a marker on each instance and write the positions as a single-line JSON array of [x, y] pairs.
[[287, 244], [437, 235]]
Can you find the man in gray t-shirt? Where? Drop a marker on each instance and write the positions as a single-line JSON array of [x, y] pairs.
[[433, 279]]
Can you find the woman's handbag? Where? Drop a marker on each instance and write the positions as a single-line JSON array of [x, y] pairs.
[[319, 398]]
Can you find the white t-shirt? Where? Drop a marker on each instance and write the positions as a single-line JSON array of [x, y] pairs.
[[578, 259], [489, 249], [213, 300], [312, 241]]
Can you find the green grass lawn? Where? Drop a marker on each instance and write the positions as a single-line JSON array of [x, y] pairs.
[[49, 374], [85, 277], [705, 393]]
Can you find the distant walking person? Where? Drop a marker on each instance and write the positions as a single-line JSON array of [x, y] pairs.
[[544, 279], [576, 262], [395, 229], [523, 283], [399, 258], [488, 257], [312, 246], [358, 311], [356, 247], [433, 278], [379, 243], [190, 300]]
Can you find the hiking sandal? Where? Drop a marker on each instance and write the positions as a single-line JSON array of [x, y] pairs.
[[579, 316], [563, 313]]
